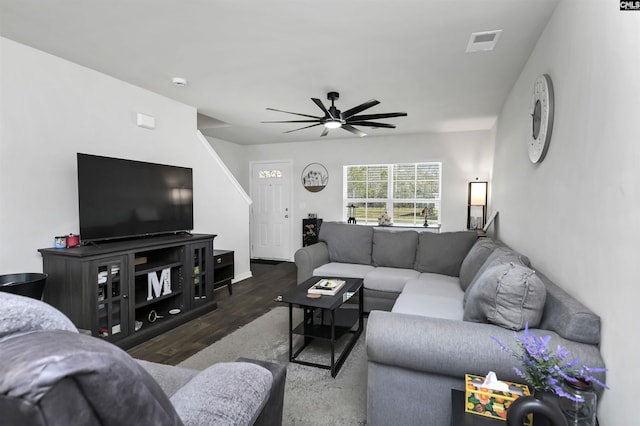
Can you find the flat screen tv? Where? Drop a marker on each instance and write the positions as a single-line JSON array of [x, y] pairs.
[[121, 198]]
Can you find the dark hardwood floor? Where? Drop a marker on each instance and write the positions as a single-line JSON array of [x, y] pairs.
[[251, 298]]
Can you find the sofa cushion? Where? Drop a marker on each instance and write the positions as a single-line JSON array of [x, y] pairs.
[[394, 249], [79, 379], [429, 306], [438, 298], [227, 393], [474, 260], [443, 253], [389, 279], [19, 314], [508, 295], [347, 243], [342, 270], [431, 295], [436, 285]]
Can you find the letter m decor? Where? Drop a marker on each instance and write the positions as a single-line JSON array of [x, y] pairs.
[[159, 287]]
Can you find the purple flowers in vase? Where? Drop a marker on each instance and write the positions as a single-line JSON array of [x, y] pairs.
[[544, 369]]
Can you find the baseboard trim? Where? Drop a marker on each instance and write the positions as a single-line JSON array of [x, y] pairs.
[[241, 277]]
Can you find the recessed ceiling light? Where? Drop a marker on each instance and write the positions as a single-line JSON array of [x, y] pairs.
[[179, 81]]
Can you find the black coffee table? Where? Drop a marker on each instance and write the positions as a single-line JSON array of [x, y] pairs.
[[341, 320]]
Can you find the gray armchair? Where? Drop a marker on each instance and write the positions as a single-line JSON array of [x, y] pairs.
[[52, 375]]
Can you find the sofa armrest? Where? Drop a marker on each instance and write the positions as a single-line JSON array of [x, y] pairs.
[[271, 414], [309, 258], [453, 348], [231, 393]]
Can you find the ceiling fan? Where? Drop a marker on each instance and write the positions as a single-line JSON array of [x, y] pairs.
[[333, 118]]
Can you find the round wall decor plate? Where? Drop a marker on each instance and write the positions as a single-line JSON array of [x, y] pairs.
[[315, 177]]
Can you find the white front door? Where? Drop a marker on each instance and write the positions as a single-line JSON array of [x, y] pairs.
[[271, 210]]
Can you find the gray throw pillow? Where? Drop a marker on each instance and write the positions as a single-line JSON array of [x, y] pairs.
[[443, 253], [507, 295], [78, 379], [498, 256], [394, 249], [474, 260], [19, 314], [347, 243]]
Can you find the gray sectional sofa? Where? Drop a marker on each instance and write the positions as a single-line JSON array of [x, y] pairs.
[[435, 302]]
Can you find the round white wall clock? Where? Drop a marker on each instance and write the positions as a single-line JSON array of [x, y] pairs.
[[541, 109]]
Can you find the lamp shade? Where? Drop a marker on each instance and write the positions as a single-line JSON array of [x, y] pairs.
[[478, 193], [477, 204]]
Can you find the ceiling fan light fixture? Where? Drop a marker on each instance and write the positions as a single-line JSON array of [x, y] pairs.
[[333, 118], [332, 124]]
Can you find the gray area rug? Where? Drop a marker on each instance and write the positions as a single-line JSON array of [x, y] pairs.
[[312, 397]]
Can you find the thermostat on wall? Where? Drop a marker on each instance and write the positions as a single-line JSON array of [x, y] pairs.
[[146, 121]]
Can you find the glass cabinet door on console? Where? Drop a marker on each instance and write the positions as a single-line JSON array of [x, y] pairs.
[[108, 276], [201, 268]]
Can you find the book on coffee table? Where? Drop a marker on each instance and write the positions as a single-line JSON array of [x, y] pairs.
[[327, 287]]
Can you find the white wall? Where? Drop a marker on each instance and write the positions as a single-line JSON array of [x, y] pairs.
[[233, 157], [464, 157], [50, 110], [576, 214]]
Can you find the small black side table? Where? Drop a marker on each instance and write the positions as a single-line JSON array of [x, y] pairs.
[[461, 418], [223, 265]]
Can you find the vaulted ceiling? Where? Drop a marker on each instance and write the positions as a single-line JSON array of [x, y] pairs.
[[241, 57]]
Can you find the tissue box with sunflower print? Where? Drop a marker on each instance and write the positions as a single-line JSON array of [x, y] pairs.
[[489, 402]]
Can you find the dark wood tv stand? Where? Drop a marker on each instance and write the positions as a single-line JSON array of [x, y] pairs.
[[131, 290]]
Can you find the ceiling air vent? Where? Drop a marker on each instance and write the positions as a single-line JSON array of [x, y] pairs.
[[483, 41]]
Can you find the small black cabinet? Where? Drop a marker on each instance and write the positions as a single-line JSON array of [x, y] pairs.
[[223, 269], [310, 231], [129, 291]]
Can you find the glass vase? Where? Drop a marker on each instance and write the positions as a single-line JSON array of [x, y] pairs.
[[581, 409]]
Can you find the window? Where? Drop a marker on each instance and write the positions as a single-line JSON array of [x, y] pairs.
[[408, 192], [269, 174]]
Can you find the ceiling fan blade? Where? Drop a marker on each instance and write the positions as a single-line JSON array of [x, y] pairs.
[[306, 127], [293, 121], [372, 124], [353, 111], [325, 132], [377, 116], [322, 107], [353, 130], [295, 113]]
